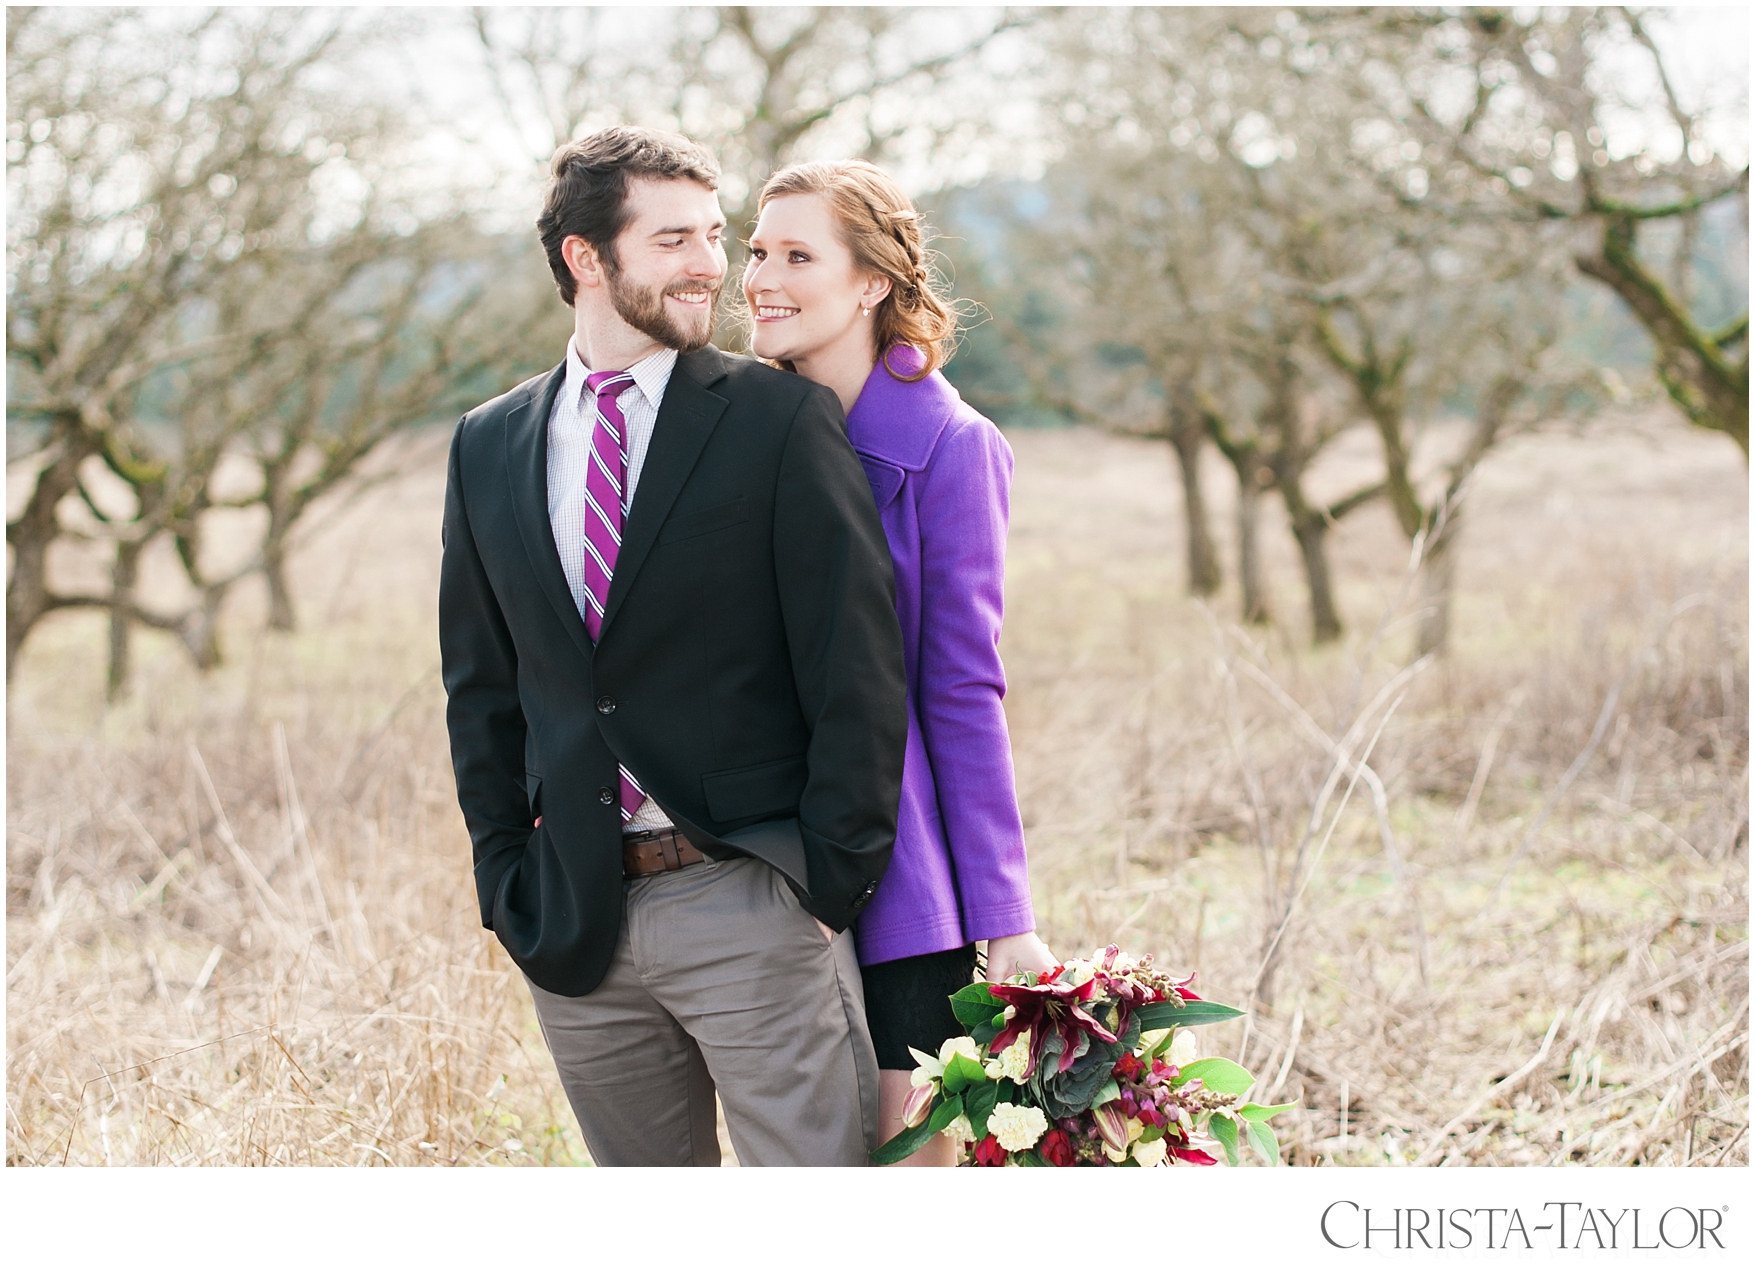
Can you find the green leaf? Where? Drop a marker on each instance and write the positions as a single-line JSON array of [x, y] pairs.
[[1161, 1045], [1261, 1114], [961, 1072], [1108, 1093], [1222, 1075], [943, 1114], [974, 1004], [1027, 1159], [903, 1144], [979, 1104], [1225, 1131], [1262, 1138], [1195, 1013], [983, 1032]]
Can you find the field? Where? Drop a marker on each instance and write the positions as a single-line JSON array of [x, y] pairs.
[[1489, 909]]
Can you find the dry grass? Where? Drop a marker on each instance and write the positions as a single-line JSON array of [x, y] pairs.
[[241, 928]]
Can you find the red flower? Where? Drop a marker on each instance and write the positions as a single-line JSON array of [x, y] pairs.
[[1056, 1149], [1128, 1067], [1048, 1006], [1198, 1157], [989, 1153]]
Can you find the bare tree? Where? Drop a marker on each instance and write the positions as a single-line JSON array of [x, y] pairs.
[[1518, 114], [1154, 221], [207, 261], [761, 87]]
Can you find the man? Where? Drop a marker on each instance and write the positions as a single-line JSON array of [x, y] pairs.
[[677, 703]]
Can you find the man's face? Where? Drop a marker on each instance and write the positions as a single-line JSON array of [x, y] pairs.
[[670, 262]]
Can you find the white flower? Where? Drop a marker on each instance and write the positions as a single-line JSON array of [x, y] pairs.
[[1115, 1156], [1017, 1127], [1183, 1048], [959, 1130], [958, 1044], [1013, 1063], [1077, 973], [1149, 1154], [1149, 1039], [929, 1070], [932, 1068]]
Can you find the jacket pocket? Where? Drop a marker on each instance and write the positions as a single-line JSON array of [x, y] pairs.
[[696, 523], [759, 790]]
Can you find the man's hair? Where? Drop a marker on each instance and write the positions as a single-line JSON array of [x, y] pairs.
[[588, 188]]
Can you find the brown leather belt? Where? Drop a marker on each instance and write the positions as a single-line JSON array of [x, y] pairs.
[[657, 850]]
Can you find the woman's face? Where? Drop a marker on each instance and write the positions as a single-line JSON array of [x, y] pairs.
[[801, 284]]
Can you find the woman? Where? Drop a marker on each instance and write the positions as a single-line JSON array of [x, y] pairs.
[[838, 291]]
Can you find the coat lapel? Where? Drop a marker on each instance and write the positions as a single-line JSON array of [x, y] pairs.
[[686, 418], [527, 465]]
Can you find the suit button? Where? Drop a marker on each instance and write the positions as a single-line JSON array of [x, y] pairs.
[[606, 796], [605, 705]]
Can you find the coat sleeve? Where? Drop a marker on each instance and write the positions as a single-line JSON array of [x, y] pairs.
[[837, 597], [964, 504], [483, 712]]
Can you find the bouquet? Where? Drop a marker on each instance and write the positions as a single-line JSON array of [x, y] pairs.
[[1089, 1064]]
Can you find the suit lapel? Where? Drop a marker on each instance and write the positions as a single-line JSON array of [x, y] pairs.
[[686, 418], [527, 465]]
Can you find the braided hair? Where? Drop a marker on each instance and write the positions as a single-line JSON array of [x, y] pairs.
[[885, 234]]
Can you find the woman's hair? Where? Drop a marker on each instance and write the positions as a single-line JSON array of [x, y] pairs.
[[880, 226]]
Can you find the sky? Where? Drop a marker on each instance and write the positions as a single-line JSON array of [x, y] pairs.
[[1707, 49]]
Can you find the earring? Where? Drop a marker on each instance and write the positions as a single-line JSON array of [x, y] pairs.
[[865, 312]]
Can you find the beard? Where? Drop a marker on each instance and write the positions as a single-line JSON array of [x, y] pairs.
[[642, 307]]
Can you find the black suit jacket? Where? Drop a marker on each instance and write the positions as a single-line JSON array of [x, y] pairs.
[[749, 670]]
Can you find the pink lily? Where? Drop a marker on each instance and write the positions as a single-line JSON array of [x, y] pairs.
[[1111, 1123], [917, 1105]]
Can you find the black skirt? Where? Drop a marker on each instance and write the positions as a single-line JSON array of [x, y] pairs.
[[907, 1002]]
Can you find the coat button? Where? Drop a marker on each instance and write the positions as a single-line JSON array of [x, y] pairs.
[[606, 796], [605, 705]]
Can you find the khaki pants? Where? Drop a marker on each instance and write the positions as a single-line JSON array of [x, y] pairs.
[[720, 979]]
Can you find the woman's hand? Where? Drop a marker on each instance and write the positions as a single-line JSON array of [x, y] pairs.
[[1016, 954]]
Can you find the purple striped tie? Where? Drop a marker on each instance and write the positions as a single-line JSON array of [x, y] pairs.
[[605, 478]]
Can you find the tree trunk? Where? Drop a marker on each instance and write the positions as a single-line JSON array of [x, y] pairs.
[[28, 598], [1437, 584], [1312, 534], [122, 577], [280, 603], [1249, 570], [1310, 528], [1187, 438], [201, 630], [1287, 462], [281, 515]]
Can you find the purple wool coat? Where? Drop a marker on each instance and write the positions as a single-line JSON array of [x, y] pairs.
[[941, 474]]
